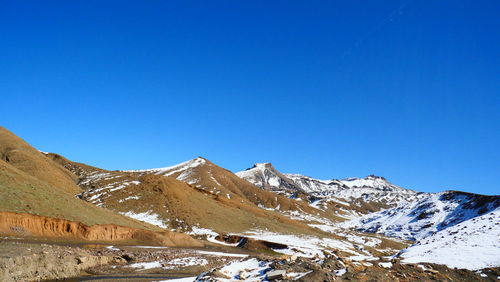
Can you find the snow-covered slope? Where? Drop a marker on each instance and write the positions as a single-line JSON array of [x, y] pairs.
[[316, 186], [419, 219], [472, 244], [454, 228], [369, 189]]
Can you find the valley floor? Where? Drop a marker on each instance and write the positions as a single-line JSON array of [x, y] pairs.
[[23, 260]]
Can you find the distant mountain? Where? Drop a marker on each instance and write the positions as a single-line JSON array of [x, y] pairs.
[[371, 189]]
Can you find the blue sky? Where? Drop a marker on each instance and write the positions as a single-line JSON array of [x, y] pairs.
[[404, 89]]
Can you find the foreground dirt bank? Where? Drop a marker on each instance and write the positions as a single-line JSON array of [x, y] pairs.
[[30, 261], [35, 262], [34, 225]]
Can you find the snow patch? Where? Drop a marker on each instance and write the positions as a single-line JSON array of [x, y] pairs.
[[147, 217]]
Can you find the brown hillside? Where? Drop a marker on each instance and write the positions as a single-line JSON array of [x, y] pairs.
[[23, 193], [19, 154], [180, 206], [205, 175], [27, 179]]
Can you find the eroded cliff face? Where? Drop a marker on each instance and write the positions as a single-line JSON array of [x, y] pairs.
[[22, 224]]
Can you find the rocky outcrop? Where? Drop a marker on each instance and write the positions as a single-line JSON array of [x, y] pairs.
[[35, 225]]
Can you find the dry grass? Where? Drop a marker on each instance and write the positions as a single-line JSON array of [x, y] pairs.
[[32, 183], [19, 154]]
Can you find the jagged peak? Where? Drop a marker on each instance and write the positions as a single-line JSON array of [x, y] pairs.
[[263, 165], [373, 176], [260, 167], [369, 177], [298, 176]]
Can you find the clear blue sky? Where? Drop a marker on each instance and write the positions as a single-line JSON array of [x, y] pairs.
[[404, 89]]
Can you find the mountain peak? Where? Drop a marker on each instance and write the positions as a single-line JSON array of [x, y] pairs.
[[265, 176], [373, 176], [262, 165]]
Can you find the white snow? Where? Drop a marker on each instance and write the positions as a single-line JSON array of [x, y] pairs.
[[184, 262], [170, 264], [213, 240], [385, 264], [167, 171], [196, 230], [419, 219], [129, 198], [147, 217], [341, 272], [297, 275], [211, 235], [221, 254], [248, 270], [369, 181], [146, 265], [473, 244], [302, 245]]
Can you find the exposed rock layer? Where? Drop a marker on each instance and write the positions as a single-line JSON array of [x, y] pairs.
[[35, 225]]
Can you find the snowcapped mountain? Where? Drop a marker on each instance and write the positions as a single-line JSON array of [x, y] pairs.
[[376, 189], [472, 244], [369, 189], [316, 186], [371, 181], [265, 176], [419, 219]]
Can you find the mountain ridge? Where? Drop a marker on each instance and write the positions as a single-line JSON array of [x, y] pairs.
[[268, 210]]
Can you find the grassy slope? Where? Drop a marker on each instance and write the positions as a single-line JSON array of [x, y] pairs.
[[32, 183], [19, 154], [23, 193]]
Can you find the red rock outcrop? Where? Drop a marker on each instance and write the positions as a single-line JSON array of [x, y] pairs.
[[42, 226]]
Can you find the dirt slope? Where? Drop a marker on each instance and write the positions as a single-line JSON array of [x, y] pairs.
[[19, 154]]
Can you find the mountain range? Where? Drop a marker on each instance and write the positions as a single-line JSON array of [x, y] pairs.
[[197, 202]]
